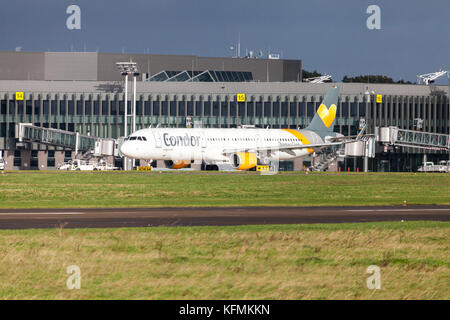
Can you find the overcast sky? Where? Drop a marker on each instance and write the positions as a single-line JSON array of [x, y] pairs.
[[330, 36]]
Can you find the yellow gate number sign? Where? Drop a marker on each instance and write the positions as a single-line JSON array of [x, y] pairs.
[[19, 95], [241, 97], [379, 98], [141, 168]]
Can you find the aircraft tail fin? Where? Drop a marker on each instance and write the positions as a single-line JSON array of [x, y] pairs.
[[325, 117]]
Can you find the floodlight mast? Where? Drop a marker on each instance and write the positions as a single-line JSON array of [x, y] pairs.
[[125, 130], [129, 68], [134, 109]]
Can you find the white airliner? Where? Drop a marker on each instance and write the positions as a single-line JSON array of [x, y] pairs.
[[243, 148]]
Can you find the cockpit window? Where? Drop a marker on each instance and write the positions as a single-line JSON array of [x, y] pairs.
[[132, 138]]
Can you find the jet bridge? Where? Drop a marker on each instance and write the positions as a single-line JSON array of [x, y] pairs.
[[413, 139], [94, 146]]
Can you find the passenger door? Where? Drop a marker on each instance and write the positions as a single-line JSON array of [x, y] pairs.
[[157, 137]]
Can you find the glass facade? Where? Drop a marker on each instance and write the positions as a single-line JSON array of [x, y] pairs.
[[99, 115], [202, 76]]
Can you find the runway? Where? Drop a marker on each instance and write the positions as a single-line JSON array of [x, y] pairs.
[[152, 217]]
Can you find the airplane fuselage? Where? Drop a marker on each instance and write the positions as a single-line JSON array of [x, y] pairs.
[[213, 144]]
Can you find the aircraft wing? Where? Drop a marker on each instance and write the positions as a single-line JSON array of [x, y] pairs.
[[351, 138], [342, 138], [285, 147]]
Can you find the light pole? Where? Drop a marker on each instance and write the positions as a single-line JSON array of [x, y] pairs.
[[134, 103], [134, 108], [129, 68], [125, 103]]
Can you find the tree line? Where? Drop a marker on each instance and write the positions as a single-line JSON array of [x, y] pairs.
[[360, 79]]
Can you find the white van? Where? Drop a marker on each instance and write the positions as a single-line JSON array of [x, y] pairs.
[[444, 166], [82, 165], [2, 164], [427, 167], [77, 165]]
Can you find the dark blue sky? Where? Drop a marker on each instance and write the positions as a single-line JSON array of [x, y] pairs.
[[328, 35]]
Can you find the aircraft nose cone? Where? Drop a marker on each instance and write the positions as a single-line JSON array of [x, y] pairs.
[[125, 149]]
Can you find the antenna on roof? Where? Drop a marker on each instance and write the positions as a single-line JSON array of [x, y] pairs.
[[239, 45], [429, 78], [320, 79]]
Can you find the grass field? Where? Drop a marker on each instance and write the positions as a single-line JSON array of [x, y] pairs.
[[118, 189], [248, 262]]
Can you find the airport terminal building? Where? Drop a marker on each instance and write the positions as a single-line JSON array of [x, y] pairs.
[[84, 92]]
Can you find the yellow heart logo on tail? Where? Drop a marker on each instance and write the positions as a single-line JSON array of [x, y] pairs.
[[327, 115]]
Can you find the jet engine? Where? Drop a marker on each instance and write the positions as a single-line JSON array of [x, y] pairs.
[[177, 164], [243, 160]]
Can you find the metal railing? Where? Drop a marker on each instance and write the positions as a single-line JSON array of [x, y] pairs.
[[26, 132]]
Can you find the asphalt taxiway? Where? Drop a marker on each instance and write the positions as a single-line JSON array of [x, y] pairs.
[[217, 216]]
